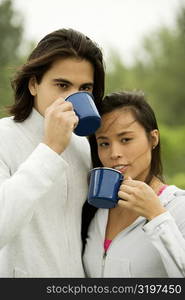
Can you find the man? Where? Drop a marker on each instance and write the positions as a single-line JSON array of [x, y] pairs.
[[43, 164]]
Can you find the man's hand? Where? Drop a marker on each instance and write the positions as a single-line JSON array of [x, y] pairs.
[[60, 120]]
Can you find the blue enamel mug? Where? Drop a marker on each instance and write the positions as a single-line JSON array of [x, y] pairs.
[[104, 186], [85, 109]]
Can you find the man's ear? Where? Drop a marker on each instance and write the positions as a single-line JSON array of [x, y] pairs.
[[32, 85], [154, 138]]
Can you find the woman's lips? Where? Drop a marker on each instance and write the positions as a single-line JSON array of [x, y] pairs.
[[121, 168]]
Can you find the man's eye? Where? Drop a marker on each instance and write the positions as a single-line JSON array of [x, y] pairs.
[[126, 140], [87, 88], [62, 85]]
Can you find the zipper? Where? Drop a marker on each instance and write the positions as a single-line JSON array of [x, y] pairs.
[[124, 232], [105, 255], [103, 263]]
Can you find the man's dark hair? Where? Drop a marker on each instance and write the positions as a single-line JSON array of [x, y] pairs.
[[63, 43]]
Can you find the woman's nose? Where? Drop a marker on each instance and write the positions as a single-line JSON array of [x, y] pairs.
[[115, 152]]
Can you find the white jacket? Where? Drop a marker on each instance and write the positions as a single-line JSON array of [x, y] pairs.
[[153, 249], [41, 197]]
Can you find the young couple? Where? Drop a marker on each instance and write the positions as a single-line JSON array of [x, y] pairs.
[[44, 168]]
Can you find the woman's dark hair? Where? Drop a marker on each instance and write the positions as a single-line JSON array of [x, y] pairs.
[[143, 113], [63, 43]]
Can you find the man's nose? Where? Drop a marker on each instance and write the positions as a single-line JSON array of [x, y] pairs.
[[72, 91]]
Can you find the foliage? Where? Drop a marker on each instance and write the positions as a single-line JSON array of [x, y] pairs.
[[173, 154], [178, 179], [158, 69], [116, 74], [11, 33], [11, 29]]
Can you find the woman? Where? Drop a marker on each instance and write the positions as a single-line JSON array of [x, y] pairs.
[[143, 236]]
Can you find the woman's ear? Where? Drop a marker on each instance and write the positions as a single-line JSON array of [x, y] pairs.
[[154, 138], [32, 86]]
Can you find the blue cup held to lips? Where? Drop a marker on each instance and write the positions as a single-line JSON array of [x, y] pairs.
[[85, 109], [104, 186]]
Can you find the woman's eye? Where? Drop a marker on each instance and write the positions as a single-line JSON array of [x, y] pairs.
[[103, 144]]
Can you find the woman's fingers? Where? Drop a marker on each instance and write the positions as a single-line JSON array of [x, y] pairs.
[[126, 188]]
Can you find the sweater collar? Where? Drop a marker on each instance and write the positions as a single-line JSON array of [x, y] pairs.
[[34, 124], [168, 194]]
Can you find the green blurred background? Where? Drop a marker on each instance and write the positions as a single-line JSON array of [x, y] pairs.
[[158, 69]]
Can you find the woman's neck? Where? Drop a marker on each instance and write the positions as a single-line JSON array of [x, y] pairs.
[[156, 184]]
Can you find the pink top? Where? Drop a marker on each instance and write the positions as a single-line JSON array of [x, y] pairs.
[[162, 189], [108, 242]]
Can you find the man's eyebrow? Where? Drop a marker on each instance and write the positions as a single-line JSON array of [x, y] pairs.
[[88, 83], [62, 80]]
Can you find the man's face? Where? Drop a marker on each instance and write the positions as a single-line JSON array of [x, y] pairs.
[[65, 77]]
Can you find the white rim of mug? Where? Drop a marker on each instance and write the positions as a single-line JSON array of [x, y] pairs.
[[106, 169]]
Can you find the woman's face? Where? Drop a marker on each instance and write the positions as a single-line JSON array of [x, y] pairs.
[[124, 145]]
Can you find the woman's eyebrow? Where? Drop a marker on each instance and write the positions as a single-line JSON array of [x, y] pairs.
[[119, 134], [102, 138], [125, 132]]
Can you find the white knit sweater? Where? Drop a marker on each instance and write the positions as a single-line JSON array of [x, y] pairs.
[[153, 249], [41, 197]]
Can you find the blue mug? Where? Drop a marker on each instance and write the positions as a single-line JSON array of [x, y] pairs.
[[104, 186], [85, 109]]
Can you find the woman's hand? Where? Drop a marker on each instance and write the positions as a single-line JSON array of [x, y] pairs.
[[139, 197]]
